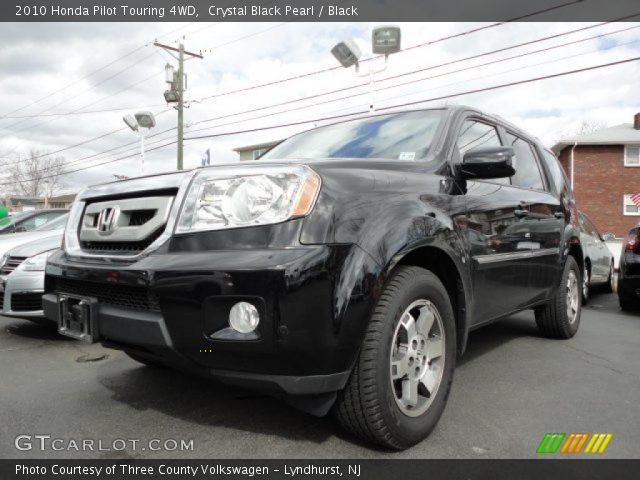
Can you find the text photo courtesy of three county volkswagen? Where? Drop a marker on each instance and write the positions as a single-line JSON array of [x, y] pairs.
[[223, 235]]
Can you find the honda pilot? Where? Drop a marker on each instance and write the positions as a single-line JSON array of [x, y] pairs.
[[343, 270]]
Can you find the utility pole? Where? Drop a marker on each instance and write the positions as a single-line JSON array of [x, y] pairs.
[[180, 105], [176, 93]]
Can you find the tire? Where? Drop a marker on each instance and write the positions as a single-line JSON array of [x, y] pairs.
[[369, 406], [144, 360], [627, 303], [586, 278], [608, 287], [553, 319]]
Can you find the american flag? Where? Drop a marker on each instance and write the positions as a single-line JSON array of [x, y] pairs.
[[635, 198]]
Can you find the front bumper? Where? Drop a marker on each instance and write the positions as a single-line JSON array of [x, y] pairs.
[[310, 322], [21, 294]]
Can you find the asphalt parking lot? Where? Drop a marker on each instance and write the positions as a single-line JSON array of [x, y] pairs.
[[511, 387]]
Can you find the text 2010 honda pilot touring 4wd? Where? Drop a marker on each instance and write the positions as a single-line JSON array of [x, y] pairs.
[[343, 270]]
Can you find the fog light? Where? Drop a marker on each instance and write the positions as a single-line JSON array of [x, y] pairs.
[[244, 317]]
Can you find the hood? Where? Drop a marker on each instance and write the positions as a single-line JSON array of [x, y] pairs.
[[151, 183], [19, 240], [40, 245]]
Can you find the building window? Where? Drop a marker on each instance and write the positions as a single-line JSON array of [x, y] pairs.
[[258, 153], [632, 156], [629, 208]]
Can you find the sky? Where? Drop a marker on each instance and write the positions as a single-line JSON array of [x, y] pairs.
[[94, 73]]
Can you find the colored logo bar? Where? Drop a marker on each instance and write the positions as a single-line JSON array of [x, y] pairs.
[[573, 443]]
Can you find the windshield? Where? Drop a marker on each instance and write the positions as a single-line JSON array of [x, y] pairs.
[[400, 136], [57, 224], [6, 222]]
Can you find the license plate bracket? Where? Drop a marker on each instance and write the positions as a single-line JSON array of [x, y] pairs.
[[78, 317]]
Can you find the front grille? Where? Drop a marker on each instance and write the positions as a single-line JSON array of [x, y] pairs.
[[10, 264], [121, 247], [26, 302], [136, 298], [125, 226], [1, 300]]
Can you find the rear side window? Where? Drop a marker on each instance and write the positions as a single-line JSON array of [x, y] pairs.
[[590, 227], [558, 176], [527, 171]]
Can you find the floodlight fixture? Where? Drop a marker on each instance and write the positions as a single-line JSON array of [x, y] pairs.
[[385, 39], [347, 53], [131, 122], [146, 119]]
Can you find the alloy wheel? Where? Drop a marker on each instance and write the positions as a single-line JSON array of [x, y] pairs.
[[573, 297], [417, 357]]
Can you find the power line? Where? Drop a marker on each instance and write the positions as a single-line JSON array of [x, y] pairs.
[[88, 112], [344, 89], [430, 42], [443, 97], [83, 143], [78, 110], [512, 84], [335, 117], [310, 73], [353, 95]]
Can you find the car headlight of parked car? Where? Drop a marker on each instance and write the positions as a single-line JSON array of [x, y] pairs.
[[233, 197], [37, 263]]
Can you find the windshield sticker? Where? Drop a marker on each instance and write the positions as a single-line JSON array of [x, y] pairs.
[[407, 156]]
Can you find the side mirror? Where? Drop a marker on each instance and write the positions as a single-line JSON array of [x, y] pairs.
[[487, 162]]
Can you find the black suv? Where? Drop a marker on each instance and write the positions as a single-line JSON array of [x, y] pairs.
[[629, 271], [343, 270]]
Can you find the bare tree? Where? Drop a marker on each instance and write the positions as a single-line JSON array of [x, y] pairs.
[[589, 126], [37, 174]]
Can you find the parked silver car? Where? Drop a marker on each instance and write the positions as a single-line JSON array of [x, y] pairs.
[[22, 271], [598, 260]]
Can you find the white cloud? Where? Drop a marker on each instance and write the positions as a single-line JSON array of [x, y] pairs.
[[40, 58]]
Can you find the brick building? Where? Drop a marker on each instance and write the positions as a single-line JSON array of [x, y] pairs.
[[604, 168]]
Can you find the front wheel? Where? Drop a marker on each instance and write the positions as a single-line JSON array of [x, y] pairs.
[[560, 318], [401, 380]]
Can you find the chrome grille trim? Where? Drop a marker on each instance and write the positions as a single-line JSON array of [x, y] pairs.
[[122, 213], [72, 241], [10, 264]]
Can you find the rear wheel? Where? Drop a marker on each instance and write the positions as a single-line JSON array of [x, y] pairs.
[[609, 286], [560, 318], [401, 380], [627, 302], [586, 278]]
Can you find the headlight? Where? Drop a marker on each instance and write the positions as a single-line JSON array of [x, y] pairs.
[[232, 197], [37, 263]]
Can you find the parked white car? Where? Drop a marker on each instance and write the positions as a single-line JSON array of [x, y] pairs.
[[22, 269]]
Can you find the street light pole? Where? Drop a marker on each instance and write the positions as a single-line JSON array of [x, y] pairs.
[[141, 148]]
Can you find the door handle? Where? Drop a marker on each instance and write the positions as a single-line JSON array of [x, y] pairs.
[[520, 213], [559, 215]]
